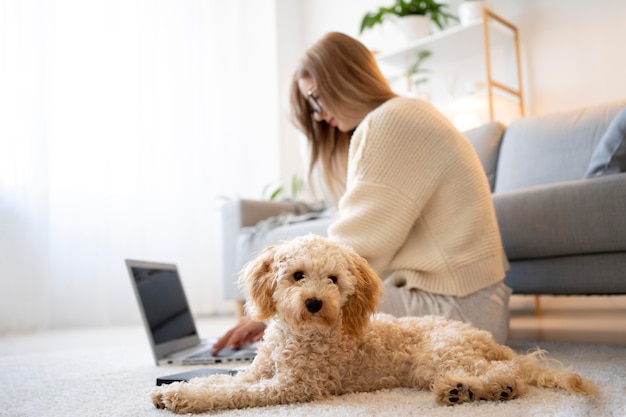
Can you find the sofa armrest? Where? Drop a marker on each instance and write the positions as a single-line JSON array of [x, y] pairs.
[[237, 214], [253, 211], [561, 219]]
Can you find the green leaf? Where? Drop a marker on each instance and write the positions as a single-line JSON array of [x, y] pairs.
[[276, 193]]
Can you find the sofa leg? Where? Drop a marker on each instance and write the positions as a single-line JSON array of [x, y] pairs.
[[537, 305], [239, 308]]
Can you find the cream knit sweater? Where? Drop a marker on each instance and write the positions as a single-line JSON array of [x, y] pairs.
[[417, 204]]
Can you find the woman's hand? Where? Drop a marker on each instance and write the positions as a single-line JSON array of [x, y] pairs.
[[244, 332]]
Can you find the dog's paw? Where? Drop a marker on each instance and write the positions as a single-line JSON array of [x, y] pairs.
[[171, 397], [455, 394], [502, 392]]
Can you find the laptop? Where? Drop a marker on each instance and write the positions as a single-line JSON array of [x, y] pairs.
[[196, 373], [168, 320]]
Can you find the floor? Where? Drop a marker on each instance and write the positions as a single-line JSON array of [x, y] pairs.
[[596, 319], [600, 320]]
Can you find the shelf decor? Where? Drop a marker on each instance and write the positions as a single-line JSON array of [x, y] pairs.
[[412, 16], [471, 11], [458, 42]]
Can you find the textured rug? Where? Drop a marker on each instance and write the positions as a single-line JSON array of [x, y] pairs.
[[114, 379]]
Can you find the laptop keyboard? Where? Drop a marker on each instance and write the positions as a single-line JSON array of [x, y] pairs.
[[225, 355], [202, 355]]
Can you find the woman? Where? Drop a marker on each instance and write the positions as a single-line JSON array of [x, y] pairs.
[[411, 194]]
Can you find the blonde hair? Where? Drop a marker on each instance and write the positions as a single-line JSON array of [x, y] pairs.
[[348, 80]]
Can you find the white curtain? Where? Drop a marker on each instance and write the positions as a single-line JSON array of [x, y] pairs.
[[119, 130]]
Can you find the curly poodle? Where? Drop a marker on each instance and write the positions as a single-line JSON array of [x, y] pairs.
[[325, 339]]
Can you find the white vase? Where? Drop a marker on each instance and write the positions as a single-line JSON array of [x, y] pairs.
[[471, 10], [413, 27]]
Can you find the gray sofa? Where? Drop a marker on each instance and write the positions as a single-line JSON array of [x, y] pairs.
[[559, 190]]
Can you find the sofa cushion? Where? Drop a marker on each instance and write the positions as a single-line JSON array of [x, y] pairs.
[[598, 273], [609, 156], [571, 218], [486, 141], [541, 150]]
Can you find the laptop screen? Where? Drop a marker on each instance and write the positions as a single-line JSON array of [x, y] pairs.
[[164, 303]]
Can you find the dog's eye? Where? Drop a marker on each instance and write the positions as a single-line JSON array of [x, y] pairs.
[[333, 279], [298, 275]]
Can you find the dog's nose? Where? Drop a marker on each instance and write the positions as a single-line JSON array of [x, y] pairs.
[[313, 305]]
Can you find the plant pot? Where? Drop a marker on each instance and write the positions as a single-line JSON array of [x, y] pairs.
[[413, 27], [471, 11]]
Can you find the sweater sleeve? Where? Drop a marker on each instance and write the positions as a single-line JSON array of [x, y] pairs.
[[397, 159]]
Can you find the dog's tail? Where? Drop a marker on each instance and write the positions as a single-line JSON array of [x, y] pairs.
[[541, 371]]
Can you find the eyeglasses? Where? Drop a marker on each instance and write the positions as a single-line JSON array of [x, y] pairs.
[[314, 102]]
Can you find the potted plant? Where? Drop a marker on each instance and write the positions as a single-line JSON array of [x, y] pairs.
[[471, 10], [414, 75], [404, 10]]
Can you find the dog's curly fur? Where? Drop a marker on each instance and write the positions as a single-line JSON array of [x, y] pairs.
[[323, 341]]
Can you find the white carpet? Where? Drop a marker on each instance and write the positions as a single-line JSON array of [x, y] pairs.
[[110, 372]]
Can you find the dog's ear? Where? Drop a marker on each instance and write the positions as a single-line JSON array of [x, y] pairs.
[[258, 281], [364, 302]]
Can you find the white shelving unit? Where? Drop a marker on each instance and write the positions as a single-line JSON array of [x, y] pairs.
[[456, 39], [462, 41]]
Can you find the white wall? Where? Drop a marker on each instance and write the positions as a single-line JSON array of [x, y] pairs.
[[572, 51], [289, 46], [257, 125]]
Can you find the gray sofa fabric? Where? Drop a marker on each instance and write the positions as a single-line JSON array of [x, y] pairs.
[[486, 140], [596, 274], [553, 148], [564, 219], [562, 233]]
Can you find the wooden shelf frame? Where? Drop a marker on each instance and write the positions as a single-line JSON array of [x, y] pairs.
[[491, 82], [462, 39]]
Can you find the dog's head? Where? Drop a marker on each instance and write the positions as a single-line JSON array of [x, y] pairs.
[[312, 282]]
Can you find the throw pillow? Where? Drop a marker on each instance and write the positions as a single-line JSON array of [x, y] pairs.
[[609, 157]]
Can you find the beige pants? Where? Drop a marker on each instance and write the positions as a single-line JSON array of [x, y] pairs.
[[487, 309]]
